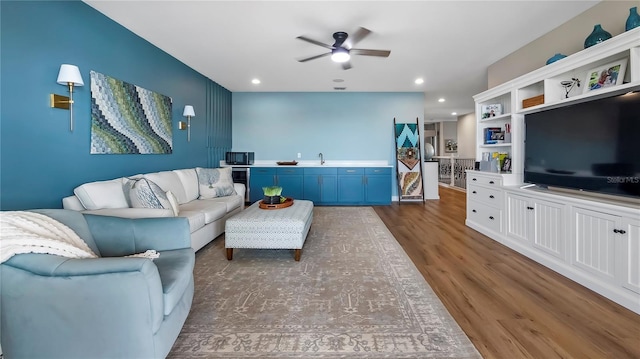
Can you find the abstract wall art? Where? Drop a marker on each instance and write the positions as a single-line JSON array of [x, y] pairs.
[[128, 119]]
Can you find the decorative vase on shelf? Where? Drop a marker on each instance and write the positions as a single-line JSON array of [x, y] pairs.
[[555, 58], [597, 36], [633, 20]]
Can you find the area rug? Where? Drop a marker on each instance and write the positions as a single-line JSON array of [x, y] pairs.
[[354, 294]]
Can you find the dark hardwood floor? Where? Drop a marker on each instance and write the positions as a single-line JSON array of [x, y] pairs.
[[509, 306]]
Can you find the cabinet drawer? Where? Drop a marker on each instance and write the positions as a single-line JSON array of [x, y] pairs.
[[290, 171], [377, 170], [485, 216], [489, 196], [263, 170], [350, 171], [321, 171], [484, 180]]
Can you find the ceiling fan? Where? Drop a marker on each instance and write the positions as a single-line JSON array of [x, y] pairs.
[[342, 48]]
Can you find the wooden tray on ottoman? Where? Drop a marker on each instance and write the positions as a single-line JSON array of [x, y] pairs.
[[287, 203]]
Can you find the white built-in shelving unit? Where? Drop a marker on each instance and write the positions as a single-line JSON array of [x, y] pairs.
[[591, 240]]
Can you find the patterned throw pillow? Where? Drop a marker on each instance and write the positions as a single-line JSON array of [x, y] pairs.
[[143, 193], [215, 182]]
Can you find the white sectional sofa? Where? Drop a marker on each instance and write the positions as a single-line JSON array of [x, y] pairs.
[[206, 196]]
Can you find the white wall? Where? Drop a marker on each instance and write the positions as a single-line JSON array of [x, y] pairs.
[[467, 136], [567, 39]]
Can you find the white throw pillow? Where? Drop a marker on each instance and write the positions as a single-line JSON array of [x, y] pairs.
[[173, 201], [101, 194], [189, 180], [144, 193], [215, 182], [168, 181]]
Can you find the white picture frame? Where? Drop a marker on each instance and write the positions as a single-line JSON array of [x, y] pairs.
[[605, 76], [491, 110]]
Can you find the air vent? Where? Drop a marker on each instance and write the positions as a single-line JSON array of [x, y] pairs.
[[340, 88]]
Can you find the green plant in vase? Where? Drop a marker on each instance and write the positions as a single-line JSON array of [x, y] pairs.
[[273, 195]]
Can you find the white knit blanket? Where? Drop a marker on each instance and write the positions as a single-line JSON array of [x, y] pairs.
[[30, 232]]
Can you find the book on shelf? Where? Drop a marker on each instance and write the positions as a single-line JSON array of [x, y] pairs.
[[493, 135]]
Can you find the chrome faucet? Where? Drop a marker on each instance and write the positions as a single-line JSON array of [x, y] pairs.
[[321, 158]]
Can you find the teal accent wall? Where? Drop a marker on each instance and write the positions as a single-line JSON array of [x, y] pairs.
[[41, 161], [343, 126]]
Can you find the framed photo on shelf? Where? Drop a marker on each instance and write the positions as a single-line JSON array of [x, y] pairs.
[[491, 110], [607, 75]]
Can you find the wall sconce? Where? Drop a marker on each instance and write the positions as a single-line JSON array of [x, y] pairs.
[[69, 75], [188, 113]]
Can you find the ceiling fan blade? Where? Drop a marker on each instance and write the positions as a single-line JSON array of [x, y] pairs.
[[346, 65], [314, 57], [315, 42], [360, 34], [369, 52]]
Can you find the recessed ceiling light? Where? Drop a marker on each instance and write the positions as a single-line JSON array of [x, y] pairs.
[[441, 99], [453, 113], [419, 81], [255, 81]]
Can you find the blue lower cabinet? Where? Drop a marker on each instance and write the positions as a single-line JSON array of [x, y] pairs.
[[378, 185], [364, 186], [325, 185], [350, 185], [291, 181], [321, 185], [260, 177]]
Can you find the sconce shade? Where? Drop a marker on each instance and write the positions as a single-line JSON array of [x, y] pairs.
[[70, 74], [188, 111]]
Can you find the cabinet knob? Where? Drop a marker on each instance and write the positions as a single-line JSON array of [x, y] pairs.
[[473, 179], [474, 192], [530, 208], [474, 211], [491, 182], [621, 231], [491, 196], [491, 218]]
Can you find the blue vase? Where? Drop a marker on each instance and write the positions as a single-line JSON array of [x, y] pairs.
[[597, 36], [633, 20], [555, 58]]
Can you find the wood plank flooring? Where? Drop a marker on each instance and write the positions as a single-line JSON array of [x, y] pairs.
[[509, 306]]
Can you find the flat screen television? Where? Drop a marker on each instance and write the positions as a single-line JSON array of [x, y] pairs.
[[591, 146]]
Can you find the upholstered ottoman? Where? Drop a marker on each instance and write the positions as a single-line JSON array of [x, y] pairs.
[[259, 228]]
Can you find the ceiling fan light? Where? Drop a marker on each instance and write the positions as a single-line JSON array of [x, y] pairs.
[[340, 55]]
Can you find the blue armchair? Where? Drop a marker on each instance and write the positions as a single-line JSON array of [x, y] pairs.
[[109, 307]]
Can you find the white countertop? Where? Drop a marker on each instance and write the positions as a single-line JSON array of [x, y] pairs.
[[314, 163]]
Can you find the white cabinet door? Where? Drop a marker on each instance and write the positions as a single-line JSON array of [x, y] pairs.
[[549, 230], [519, 217], [630, 253], [594, 240], [537, 222]]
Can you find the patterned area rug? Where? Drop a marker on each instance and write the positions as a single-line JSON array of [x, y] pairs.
[[354, 294]]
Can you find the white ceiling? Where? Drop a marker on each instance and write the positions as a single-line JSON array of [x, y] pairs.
[[448, 43]]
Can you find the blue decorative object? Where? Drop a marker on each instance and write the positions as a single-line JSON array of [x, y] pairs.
[[633, 20], [597, 36], [555, 58]]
